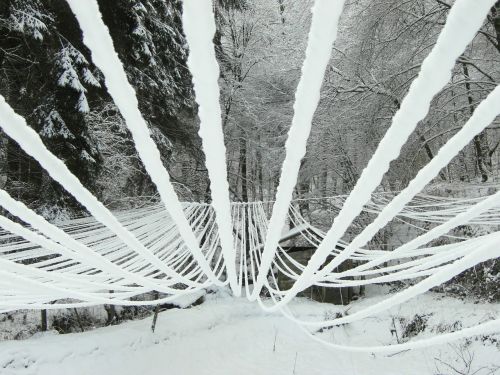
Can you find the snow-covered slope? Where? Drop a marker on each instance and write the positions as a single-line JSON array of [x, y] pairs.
[[232, 336]]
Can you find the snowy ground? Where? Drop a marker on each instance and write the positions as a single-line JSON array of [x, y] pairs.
[[232, 336]]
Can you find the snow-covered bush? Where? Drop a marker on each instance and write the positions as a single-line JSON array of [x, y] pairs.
[[122, 180], [483, 280], [74, 321], [413, 327]]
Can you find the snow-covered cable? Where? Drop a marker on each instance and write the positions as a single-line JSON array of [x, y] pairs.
[[199, 27], [97, 38], [322, 34], [464, 19]]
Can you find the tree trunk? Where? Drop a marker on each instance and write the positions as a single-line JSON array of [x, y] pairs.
[[282, 10], [111, 312], [429, 152], [303, 190], [3, 159], [260, 179], [79, 320], [480, 142], [495, 15], [44, 324], [324, 187], [243, 169]]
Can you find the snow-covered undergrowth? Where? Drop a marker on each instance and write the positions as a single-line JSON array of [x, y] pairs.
[[23, 324], [227, 335]]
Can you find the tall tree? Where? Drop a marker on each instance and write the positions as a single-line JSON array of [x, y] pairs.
[[47, 76]]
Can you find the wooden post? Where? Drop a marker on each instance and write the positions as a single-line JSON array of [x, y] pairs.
[[157, 310], [44, 320]]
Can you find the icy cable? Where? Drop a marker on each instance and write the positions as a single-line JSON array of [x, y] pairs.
[[96, 36], [199, 27]]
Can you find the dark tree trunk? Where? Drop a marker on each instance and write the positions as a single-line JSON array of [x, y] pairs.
[[260, 179], [303, 190], [3, 159], [44, 325], [481, 146], [79, 320], [429, 152], [281, 4], [243, 169], [495, 17], [111, 312]]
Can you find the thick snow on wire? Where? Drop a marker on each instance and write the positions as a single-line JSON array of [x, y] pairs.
[[96, 36], [199, 27], [463, 21], [180, 248], [324, 25]]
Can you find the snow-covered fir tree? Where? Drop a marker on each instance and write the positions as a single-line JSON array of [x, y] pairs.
[[47, 75]]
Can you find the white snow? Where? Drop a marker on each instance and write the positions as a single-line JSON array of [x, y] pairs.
[[230, 336]]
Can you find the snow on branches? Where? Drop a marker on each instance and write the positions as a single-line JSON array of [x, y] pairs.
[[27, 18], [74, 72]]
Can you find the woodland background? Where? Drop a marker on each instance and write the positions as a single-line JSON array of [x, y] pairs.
[[46, 75]]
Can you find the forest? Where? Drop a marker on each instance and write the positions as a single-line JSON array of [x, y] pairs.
[[47, 76], [432, 238]]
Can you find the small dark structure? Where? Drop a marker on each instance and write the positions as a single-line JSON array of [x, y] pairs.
[[302, 253]]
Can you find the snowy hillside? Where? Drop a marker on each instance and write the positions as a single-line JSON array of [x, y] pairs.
[[232, 336]]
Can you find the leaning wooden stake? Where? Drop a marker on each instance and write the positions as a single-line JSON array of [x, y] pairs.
[[80, 324], [44, 320], [155, 316]]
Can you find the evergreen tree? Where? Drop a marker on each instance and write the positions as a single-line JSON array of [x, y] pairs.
[[47, 76]]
